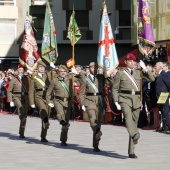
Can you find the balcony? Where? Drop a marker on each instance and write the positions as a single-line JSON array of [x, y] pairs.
[[39, 2]]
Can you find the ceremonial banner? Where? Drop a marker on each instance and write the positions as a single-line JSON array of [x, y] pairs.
[[49, 43], [29, 54], [73, 31], [145, 33], [70, 63], [107, 55]]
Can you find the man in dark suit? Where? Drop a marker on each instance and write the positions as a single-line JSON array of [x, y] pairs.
[[162, 84]]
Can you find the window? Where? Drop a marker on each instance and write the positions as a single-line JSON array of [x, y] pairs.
[[38, 23], [7, 31], [78, 4], [124, 18], [81, 15], [168, 5], [123, 4], [7, 2]]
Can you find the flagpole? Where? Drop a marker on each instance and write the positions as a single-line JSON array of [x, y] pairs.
[[73, 66]]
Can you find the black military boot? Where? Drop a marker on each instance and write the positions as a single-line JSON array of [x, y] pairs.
[[63, 143], [46, 124], [98, 134], [64, 124]]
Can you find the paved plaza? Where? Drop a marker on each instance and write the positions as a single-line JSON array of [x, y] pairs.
[[153, 150]]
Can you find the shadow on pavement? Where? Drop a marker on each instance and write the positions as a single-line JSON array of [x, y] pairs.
[[30, 140]]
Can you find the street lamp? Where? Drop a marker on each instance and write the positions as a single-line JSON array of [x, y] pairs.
[[118, 27]]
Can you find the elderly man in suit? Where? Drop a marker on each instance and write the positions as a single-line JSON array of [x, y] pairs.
[[37, 96], [126, 96], [18, 94], [163, 85]]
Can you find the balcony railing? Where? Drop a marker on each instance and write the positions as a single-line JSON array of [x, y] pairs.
[[39, 2]]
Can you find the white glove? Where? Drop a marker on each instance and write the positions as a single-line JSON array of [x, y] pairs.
[[83, 108], [30, 72], [118, 106], [12, 104], [51, 104], [73, 70], [33, 106], [142, 64], [52, 65]]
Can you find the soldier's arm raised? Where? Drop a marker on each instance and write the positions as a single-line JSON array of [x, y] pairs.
[[49, 91], [149, 75], [31, 92], [82, 80]]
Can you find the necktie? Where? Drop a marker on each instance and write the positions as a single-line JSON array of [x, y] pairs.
[[131, 72]]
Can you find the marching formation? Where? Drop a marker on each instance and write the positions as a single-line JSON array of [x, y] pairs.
[[62, 85], [47, 89]]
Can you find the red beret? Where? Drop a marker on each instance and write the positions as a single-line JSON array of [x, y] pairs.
[[130, 56], [20, 66]]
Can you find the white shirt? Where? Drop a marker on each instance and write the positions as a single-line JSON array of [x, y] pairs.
[[92, 76], [130, 69], [40, 74]]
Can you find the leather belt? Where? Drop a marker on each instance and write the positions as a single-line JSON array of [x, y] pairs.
[[64, 99], [41, 89], [130, 92], [93, 94], [22, 93]]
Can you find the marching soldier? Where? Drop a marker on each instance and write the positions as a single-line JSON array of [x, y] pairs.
[[126, 95], [18, 94], [62, 86], [91, 99], [37, 92]]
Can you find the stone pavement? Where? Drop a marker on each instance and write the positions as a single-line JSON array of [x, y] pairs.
[[153, 150]]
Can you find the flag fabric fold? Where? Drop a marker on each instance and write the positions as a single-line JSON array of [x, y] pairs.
[[73, 30], [70, 63], [107, 56], [29, 55], [49, 43], [145, 32]]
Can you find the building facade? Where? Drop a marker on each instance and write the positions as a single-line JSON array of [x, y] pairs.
[[87, 14]]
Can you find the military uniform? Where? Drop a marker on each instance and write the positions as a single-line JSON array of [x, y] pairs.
[[62, 101], [128, 96], [37, 96], [18, 93], [94, 106]]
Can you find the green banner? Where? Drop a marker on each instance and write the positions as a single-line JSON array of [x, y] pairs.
[[49, 43], [73, 31]]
